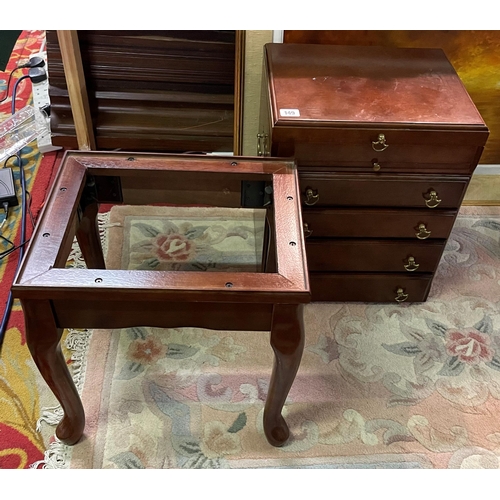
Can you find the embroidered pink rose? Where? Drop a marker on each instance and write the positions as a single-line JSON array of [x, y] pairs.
[[147, 351], [470, 347], [173, 247]]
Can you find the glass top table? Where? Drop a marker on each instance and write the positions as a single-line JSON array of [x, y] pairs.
[[269, 298]]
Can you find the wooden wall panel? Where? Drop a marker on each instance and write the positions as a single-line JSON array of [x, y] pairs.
[[169, 91]]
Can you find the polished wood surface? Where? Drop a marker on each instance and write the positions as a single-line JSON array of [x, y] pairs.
[[349, 85], [88, 237], [473, 53], [369, 287], [377, 255], [152, 90], [377, 223], [380, 190], [54, 227], [386, 140], [287, 341], [54, 297], [239, 90], [43, 336], [77, 88]]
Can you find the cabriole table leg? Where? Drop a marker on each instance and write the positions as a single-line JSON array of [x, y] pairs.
[[43, 339], [287, 341], [88, 237]]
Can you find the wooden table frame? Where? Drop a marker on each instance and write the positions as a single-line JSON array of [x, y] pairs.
[[54, 298]]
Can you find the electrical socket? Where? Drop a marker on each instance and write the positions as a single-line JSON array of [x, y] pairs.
[[7, 187], [41, 99]]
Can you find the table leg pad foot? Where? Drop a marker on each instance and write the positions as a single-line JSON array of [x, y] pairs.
[[277, 432]]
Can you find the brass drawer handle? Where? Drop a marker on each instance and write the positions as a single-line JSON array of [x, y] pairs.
[[312, 197], [412, 265], [307, 231], [376, 166], [433, 201], [401, 295], [422, 234], [380, 142]]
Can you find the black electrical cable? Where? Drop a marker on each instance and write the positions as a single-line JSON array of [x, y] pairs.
[[34, 62], [22, 178], [12, 250], [14, 91], [7, 160], [8, 85], [10, 298], [14, 247]]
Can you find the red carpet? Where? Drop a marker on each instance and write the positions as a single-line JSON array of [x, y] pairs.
[[20, 443], [43, 168]]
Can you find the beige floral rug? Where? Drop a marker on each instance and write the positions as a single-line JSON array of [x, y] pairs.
[[380, 385]]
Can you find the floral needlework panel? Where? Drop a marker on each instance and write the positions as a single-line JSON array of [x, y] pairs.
[[191, 239]]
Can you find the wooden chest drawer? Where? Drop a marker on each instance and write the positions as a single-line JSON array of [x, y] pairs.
[[341, 152], [330, 105], [381, 190], [377, 223], [369, 287], [373, 255]]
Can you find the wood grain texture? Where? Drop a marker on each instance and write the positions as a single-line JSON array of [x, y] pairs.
[[39, 271], [169, 91], [366, 287], [381, 190], [377, 223], [77, 88], [239, 91], [376, 255]]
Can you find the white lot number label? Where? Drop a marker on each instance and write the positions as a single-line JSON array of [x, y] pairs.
[[289, 112]]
